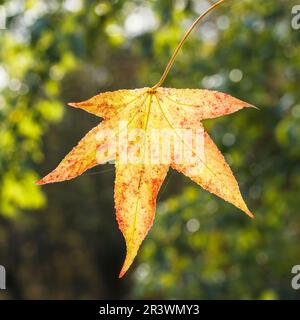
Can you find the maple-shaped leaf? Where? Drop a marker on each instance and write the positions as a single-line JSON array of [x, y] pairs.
[[147, 131], [149, 120]]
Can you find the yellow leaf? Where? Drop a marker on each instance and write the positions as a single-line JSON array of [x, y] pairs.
[[147, 131], [138, 126]]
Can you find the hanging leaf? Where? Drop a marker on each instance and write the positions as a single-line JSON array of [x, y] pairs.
[[147, 131]]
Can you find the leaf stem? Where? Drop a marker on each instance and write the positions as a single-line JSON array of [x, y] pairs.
[[170, 63]]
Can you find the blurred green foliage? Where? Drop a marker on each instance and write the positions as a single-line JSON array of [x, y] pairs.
[[69, 246]]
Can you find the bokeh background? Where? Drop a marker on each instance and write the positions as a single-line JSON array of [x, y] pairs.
[[62, 241]]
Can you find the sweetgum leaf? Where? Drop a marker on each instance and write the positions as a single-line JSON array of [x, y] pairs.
[[137, 183]]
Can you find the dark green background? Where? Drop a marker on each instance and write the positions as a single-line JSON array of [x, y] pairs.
[[62, 241]]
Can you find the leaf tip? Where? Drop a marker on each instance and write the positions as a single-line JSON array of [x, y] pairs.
[[250, 214], [46, 180], [124, 269], [73, 104], [121, 274], [131, 253], [40, 182], [127, 263], [252, 106]]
